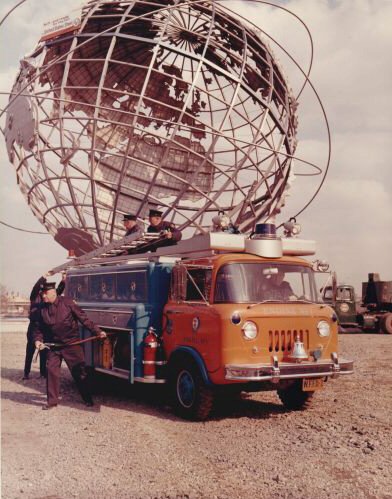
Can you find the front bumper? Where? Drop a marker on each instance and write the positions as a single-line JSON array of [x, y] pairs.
[[276, 371]]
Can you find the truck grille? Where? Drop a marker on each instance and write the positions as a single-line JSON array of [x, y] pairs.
[[283, 341]]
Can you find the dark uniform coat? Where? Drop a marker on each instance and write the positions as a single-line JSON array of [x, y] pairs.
[[58, 323], [35, 302], [165, 226], [275, 292], [136, 228]]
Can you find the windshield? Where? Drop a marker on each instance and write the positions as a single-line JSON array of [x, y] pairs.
[[259, 282], [344, 294]]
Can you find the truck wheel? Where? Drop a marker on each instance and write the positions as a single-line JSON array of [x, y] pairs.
[[293, 398], [191, 398], [386, 323]]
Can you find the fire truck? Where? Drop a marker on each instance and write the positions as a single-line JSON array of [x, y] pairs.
[[211, 317]]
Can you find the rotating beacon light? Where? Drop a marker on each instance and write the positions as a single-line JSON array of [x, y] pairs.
[[264, 241]]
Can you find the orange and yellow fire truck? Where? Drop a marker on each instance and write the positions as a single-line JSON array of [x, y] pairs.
[[215, 315]]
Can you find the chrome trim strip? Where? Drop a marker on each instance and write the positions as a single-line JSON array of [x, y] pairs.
[[155, 362], [120, 370], [149, 380], [113, 372], [108, 310], [119, 329]]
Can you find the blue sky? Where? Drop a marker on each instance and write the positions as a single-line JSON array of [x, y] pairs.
[[351, 219]]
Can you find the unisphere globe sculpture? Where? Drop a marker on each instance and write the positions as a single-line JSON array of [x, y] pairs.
[[179, 106]]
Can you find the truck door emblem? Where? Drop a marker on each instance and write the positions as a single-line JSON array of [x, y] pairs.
[[195, 323]]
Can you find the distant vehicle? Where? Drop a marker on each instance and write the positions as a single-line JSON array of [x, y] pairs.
[[376, 305], [377, 299], [344, 304]]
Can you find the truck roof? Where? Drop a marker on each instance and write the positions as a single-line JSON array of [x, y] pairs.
[[244, 257], [218, 259], [203, 247]]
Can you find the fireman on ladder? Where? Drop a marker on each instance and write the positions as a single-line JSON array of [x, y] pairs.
[[130, 224], [167, 230]]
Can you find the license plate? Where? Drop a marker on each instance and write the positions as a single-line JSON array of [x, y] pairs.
[[312, 384]]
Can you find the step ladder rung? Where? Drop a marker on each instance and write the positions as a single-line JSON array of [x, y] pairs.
[[115, 249]]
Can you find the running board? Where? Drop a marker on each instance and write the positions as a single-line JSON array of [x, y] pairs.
[[150, 380], [124, 374]]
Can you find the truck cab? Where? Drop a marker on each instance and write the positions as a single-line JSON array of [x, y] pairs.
[[244, 322], [344, 304]]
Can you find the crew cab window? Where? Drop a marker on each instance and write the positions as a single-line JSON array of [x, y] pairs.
[[198, 284], [77, 287], [132, 286], [102, 287]]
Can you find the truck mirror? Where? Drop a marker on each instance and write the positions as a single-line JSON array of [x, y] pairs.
[[334, 287], [320, 266]]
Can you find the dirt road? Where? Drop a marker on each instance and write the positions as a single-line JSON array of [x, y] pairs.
[[130, 446]]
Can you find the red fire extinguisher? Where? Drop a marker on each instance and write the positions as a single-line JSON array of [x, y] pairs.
[[150, 348]]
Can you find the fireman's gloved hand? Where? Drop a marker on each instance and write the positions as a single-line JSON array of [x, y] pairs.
[[102, 335], [168, 233], [39, 345]]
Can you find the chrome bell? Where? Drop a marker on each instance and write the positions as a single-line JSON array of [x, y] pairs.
[[299, 352]]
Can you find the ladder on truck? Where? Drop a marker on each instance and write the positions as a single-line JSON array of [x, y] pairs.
[[115, 252]]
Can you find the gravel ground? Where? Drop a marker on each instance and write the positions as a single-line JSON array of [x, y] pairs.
[[130, 445]]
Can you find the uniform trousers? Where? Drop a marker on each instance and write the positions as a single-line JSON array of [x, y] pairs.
[[74, 358], [30, 349]]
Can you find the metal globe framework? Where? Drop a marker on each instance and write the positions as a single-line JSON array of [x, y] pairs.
[[180, 106]]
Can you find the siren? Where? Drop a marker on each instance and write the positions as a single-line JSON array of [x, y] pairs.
[[264, 241]]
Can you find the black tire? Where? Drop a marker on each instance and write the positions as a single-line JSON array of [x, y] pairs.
[[293, 398], [190, 397], [386, 323]]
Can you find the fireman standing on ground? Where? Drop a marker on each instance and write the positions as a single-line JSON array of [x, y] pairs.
[[57, 322], [35, 300]]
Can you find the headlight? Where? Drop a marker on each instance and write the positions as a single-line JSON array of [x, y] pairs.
[[323, 328], [344, 307], [249, 330]]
